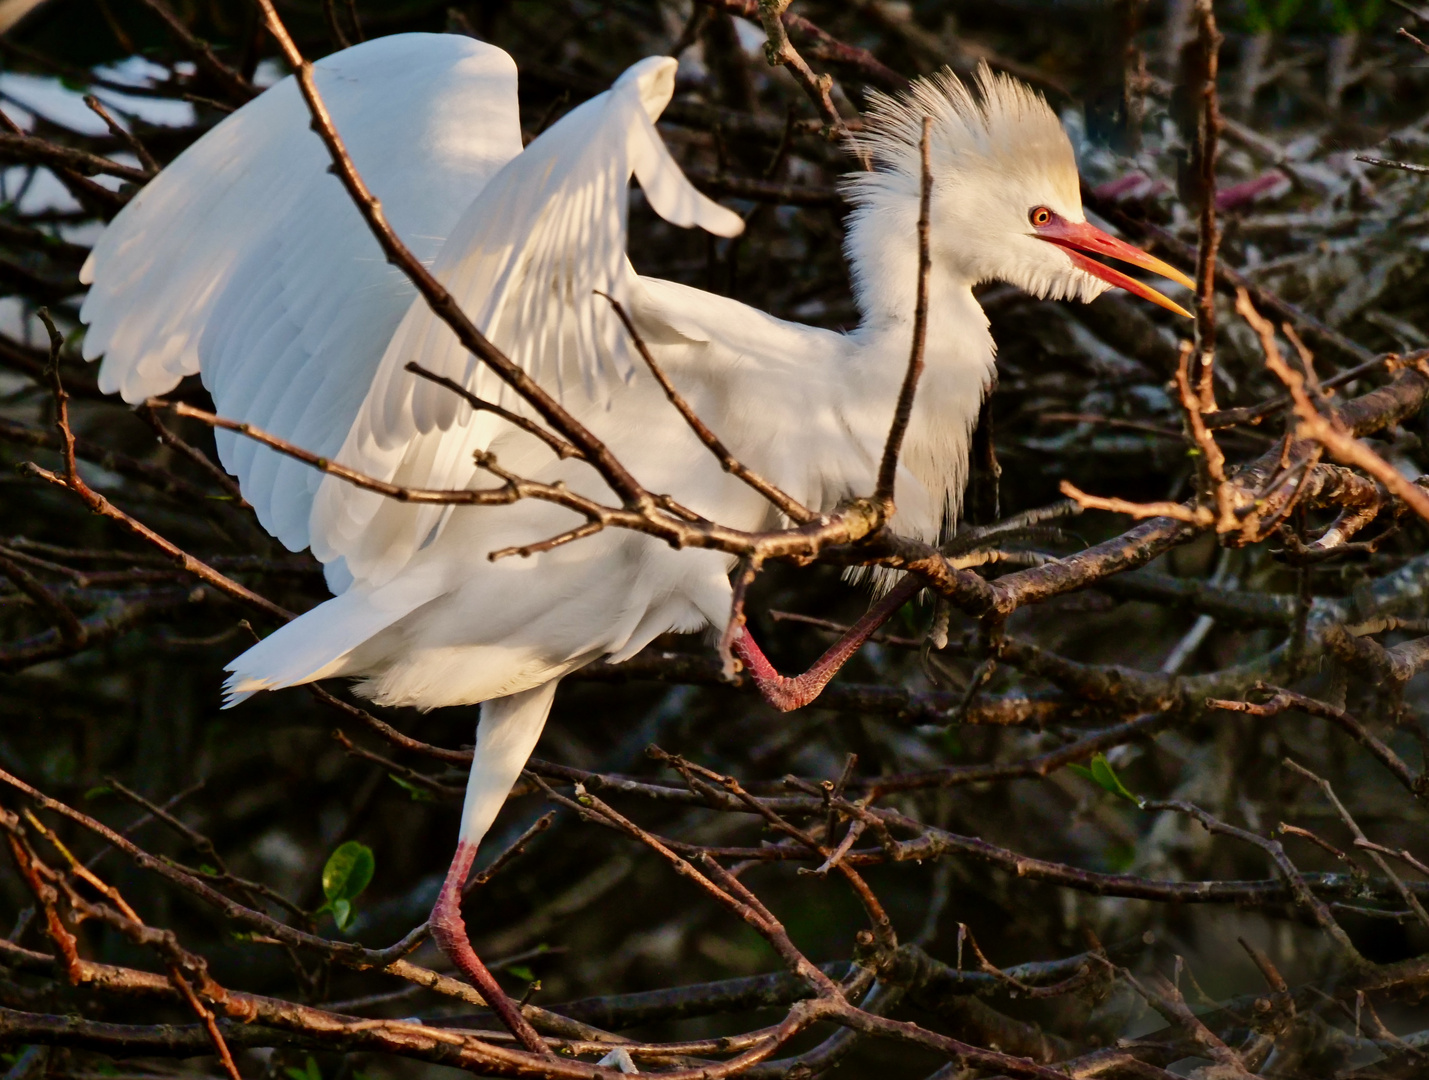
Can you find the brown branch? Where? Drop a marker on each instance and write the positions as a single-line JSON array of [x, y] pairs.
[[1302, 892], [1288, 699], [127, 921], [888, 467], [1253, 414], [1208, 129], [232, 83], [205, 847], [1386, 163], [36, 150], [882, 925], [525, 551], [767, 191], [1166, 999], [22, 434], [512, 852], [391, 960], [826, 46], [1361, 840], [1199, 516], [724, 888], [102, 506], [116, 618], [1363, 415], [1210, 461], [780, 52], [193, 454], [71, 630], [1332, 434], [124, 135]]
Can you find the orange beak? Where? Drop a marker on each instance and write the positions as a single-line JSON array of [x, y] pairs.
[[1078, 238]]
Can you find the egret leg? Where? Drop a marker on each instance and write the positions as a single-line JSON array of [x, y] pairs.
[[505, 737], [787, 694], [449, 931]]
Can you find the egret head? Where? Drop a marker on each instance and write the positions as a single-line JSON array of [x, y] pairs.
[[1005, 204]]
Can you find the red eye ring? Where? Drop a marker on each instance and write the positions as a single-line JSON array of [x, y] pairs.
[[1040, 215]]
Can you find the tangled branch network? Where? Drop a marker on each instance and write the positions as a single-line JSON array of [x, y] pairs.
[[520, 462]]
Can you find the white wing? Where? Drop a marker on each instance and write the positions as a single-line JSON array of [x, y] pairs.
[[245, 259], [526, 261]]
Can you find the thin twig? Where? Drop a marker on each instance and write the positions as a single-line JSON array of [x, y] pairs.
[[560, 446], [1208, 129], [1314, 425], [786, 504], [888, 467], [1361, 840]]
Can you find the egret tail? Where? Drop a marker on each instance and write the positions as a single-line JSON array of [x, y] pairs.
[[316, 644]]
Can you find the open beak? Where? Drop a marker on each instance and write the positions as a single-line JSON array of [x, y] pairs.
[[1082, 237]]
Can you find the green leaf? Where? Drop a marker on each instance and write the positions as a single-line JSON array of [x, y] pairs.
[[1284, 12], [342, 913], [419, 794], [348, 871], [1350, 16], [1103, 775], [1120, 857], [522, 972], [98, 792], [311, 1072], [952, 744]]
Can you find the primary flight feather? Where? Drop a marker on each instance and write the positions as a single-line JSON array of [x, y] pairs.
[[245, 262]]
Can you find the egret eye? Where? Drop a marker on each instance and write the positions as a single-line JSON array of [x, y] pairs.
[[1039, 215]]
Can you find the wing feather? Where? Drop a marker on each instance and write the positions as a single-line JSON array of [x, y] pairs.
[[525, 262], [246, 261], [278, 296]]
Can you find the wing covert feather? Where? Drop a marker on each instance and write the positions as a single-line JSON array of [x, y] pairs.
[[525, 261], [246, 261]]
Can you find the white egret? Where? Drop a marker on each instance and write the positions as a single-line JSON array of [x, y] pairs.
[[246, 262]]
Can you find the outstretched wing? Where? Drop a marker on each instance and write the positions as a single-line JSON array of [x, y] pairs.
[[526, 261], [246, 261]]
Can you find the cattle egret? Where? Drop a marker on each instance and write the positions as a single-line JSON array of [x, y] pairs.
[[246, 262]]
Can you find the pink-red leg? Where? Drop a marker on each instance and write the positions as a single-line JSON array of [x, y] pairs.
[[787, 694], [449, 931]]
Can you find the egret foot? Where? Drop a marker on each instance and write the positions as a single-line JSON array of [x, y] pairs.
[[449, 932], [787, 694]]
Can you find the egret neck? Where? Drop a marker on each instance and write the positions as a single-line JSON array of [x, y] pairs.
[[958, 357]]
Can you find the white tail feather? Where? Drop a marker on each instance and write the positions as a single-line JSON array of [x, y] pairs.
[[313, 645]]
